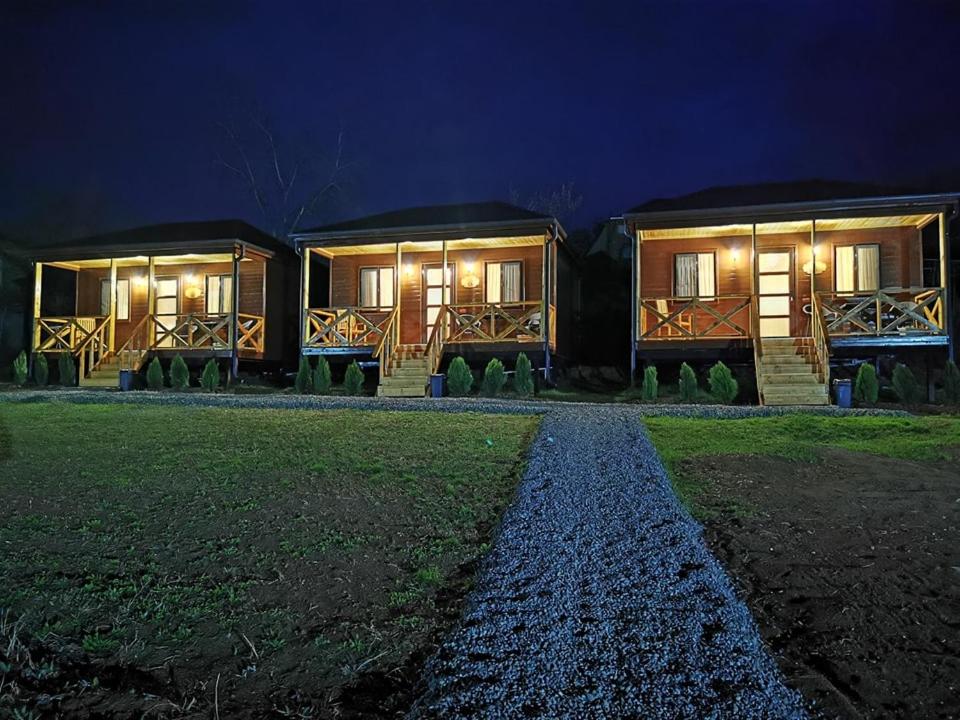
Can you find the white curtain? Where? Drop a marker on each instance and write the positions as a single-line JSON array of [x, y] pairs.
[[386, 287], [104, 297], [226, 294], [493, 289], [844, 269], [706, 276], [123, 299], [510, 283], [868, 267], [686, 284], [368, 287]]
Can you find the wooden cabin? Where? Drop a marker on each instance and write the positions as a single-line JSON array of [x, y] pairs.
[[795, 284], [216, 289], [413, 288]]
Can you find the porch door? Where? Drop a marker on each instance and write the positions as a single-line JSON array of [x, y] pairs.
[[775, 292], [432, 282], [168, 307]]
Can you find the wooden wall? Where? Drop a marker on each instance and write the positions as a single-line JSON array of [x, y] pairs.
[[345, 279]]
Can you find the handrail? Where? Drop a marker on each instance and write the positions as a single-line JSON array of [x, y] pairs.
[[64, 332], [93, 349], [343, 326], [434, 349], [757, 344], [135, 347], [493, 322], [821, 339], [250, 332], [880, 312], [386, 347], [680, 321]]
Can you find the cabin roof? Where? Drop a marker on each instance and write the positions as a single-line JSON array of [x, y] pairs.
[[483, 218], [160, 239], [810, 199]]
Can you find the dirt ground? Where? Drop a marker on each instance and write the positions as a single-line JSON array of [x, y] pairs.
[[851, 567]]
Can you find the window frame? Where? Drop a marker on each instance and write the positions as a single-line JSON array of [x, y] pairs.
[[501, 263], [855, 287], [377, 269], [120, 281], [206, 293], [716, 275]]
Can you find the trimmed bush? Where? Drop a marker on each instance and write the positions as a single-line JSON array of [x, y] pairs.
[[303, 382], [41, 371], [20, 368], [210, 379], [723, 387], [353, 379], [68, 370], [866, 389], [689, 386], [494, 378], [321, 376], [179, 374], [649, 388], [951, 383], [905, 385], [523, 376], [155, 375], [459, 378]]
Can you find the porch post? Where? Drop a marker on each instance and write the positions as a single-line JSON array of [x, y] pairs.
[[37, 282], [544, 284], [305, 294], [813, 264], [944, 286], [444, 297], [151, 301], [635, 286], [234, 356], [396, 286], [113, 303], [550, 269]]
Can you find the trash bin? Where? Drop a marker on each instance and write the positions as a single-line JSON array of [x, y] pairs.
[[843, 392], [126, 380], [436, 385]]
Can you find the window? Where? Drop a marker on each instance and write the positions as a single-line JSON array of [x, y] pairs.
[[376, 288], [123, 298], [695, 275], [219, 294], [857, 268], [504, 282]]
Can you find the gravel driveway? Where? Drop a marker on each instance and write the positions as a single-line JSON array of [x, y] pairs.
[[599, 598]]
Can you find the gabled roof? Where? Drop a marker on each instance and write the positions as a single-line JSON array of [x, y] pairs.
[[166, 238], [480, 219]]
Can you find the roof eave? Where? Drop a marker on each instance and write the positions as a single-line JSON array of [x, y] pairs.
[[104, 252], [421, 230]]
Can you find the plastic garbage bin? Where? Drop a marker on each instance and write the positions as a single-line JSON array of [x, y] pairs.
[[843, 392], [126, 380], [436, 385]]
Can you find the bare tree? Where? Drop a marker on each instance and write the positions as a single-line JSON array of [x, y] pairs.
[[560, 202], [287, 184]]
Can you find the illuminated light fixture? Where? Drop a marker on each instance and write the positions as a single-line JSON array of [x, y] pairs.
[[735, 255], [470, 281], [140, 280], [408, 269], [814, 266], [192, 290]]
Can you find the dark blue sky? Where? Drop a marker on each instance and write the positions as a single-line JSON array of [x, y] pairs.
[[449, 101]]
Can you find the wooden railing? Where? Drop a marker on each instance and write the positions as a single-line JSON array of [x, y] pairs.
[[672, 318], [757, 344], [891, 311], [821, 339], [386, 347], [494, 322], [250, 332], [434, 349], [59, 334], [344, 326], [94, 349], [193, 332], [134, 350]]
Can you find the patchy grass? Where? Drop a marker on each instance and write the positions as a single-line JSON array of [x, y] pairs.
[[290, 552], [797, 437]]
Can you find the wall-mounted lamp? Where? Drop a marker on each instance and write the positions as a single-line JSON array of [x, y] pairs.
[[735, 256], [140, 280], [814, 266], [192, 288], [408, 270], [470, 279]]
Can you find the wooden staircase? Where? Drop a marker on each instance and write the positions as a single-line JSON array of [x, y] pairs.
[[409, 373], [788, 373], [106, 375]]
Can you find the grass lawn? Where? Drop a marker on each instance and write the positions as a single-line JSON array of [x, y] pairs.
[[797, 437], [263, 560]]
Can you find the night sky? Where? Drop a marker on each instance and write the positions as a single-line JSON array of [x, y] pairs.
[[116, 105]]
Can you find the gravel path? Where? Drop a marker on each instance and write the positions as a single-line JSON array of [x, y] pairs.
[[599, 598]]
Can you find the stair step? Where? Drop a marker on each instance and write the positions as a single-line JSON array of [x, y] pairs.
[[389, 391], [100, 382], [789, 378]]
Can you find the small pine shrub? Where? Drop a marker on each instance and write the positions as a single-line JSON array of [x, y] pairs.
[[459, 378], [523, 376], [155, 375], [179, 374], [303, 382], [649, 388], [494, 378], [951, 383], [321, 377], [41, 371], [905, 385], [723, 387], [20, 369], [68, 370], [689, 386], [866, 389], [353, 379], [210, 379]]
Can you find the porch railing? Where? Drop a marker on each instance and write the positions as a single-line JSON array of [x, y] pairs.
[[94, 349], [890, 311], [718, 318], [386, 347], [434, 349], [821, 338], [192, 332], [59, 334], [495, 322], [135, 348], [344, 326], [250, 332]]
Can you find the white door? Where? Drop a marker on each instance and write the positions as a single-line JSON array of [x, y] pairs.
[[774, 292], [433, 294], [167, 308]]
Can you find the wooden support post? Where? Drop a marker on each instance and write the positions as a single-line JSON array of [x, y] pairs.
[[947, 312], [305, 294], [238, 253], [446, 277], [397, 286], [545, 262], [113, 304], [151, 302], [37, 294]]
